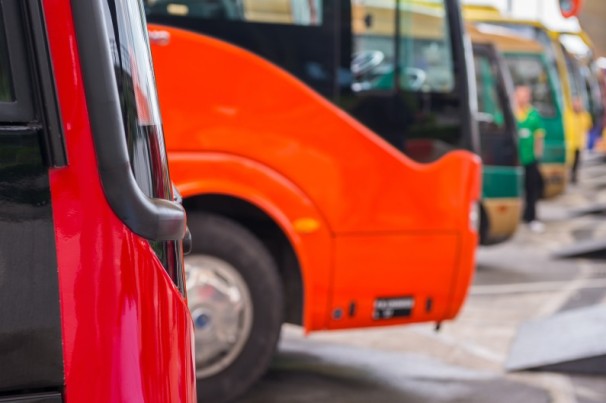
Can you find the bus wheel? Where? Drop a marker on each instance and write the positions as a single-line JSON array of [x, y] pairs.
[[484, 226], [236, 302]]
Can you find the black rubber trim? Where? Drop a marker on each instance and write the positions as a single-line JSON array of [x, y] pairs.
[[54, 146], [153, 219], [470, 139]]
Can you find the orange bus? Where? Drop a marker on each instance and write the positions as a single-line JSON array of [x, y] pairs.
[[303, 204]]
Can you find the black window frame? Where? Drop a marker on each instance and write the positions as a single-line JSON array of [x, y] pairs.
[[21, 109]]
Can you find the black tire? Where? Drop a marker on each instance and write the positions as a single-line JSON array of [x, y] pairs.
[[484, 226], [225, 239]]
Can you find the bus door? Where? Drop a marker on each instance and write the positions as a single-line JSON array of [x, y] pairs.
[[92, 303], [496, 121], [501, 174]]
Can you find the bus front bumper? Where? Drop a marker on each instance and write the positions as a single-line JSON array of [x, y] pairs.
[[503, 216], [555, 177]]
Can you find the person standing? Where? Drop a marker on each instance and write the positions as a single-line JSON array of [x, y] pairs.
[[531, 133], [584, 122]]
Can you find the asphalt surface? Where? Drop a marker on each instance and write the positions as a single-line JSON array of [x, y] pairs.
[[516, 282]]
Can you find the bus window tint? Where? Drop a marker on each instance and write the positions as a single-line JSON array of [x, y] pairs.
[[388, 63], [295, 12], [373, 59], [530, 71], [488, 97], [6, 91], [549, 51], [423, 45]]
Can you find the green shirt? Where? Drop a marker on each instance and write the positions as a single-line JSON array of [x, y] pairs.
[[530, 127]]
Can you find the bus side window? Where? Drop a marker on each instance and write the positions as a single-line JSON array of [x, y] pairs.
[[373, 53], [424, 54], [294, 12], [489, 104]]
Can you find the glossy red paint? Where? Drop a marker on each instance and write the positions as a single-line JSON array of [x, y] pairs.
[[127, 333]]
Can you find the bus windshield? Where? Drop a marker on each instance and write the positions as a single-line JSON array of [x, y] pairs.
[[530, 70], [417, 44], [541, 36], [412, 37], [400, 67]]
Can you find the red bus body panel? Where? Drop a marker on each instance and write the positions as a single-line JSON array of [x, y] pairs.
[[127, 333], [387, 225]]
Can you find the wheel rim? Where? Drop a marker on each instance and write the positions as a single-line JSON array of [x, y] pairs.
[[221, 309]]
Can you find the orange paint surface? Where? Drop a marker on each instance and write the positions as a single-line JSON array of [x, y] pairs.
[[389, 227]]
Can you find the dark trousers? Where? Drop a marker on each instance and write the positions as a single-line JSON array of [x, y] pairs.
[[533, 187], [575, 165]]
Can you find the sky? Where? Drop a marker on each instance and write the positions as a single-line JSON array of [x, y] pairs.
[[547, 11]]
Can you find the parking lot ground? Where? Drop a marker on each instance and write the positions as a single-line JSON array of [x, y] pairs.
[[464, 362]]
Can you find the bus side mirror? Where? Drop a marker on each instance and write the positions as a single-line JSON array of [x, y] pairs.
[[187, 241]]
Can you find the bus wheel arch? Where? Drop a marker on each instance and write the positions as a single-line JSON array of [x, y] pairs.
[[267, 230]]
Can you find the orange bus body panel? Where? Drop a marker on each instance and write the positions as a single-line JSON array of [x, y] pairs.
[[231, 175], [389, 227]]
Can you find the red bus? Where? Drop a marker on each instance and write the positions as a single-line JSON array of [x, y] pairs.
[[92, 300]]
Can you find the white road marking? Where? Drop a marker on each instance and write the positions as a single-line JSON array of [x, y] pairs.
[[561, 388], [568, 291], [545, 286], [471, 347]]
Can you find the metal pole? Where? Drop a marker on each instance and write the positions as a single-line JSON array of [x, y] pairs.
[[510, 6]]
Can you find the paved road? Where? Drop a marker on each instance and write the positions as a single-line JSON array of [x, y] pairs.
[[464, 362]]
